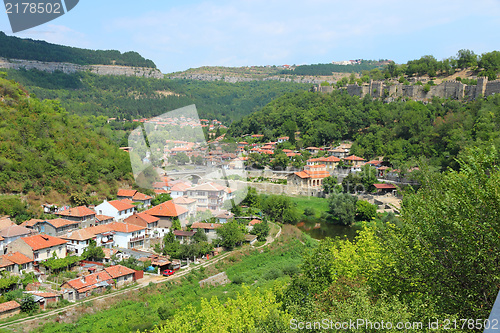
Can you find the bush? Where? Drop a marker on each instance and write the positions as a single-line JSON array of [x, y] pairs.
[[309, 211], [273, 274]]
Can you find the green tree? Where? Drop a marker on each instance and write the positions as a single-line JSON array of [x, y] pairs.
[[261, 230], [342, 207], [329, 184], [160, 198], [280, 161], [92, 251], [365, 211], [28, 303], [280, 208], [230, 234], [448, 242]]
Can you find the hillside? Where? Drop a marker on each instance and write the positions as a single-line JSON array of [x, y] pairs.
[[46, 152], [133, 97], [401, 131], [29, 49]]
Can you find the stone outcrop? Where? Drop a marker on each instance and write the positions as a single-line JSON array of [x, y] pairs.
[[72, 68], [448, 89]]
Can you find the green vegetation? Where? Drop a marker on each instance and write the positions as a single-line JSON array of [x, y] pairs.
[[45, 149], [29, 49], [403, 131], [328, 69], [129, 98]]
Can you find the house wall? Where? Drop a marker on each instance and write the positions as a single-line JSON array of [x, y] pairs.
[[126, 279], [122, 239], [45, 254], [106, 208], [10, 313], [21, 246]]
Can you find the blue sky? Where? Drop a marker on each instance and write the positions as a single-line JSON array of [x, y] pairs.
[[178, 35]]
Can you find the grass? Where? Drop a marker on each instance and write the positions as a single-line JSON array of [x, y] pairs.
[[262, 268], [318, 204]]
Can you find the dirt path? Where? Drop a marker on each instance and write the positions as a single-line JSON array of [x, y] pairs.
[[160, 279]]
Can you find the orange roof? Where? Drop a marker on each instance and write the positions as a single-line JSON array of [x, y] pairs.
[[121, 204], [161, 191], [58, 223], [118, 270], [179, 187], [141, 196], [89, 281], [203, 225], [77, 211], [141, 219], [82, 234], [124, 227], [385, 186], [312, 148], [45, 294], [354, 158], [168, 208], [316, 166], [183, 200], [126, 193], [30, 223], [103, 217], [10, 305], [329, 159], [254, 222], [17, 258], [38, 242]]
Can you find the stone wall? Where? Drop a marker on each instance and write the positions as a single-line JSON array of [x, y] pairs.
[[447, 89], [72, 68]]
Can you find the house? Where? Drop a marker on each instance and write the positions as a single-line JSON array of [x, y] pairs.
[[56, 227], [5, 222], [184, 237], [119, 234], [179, 189], [283, 139], [147, 221], [9, 309], [338, 152], [330, 162], [11, 233], [223, 216], [208, 228], [313, 150], [354, 161], [39, 247], [385, 188], [208, 195], [103, 219], [142, 199], [311, 176], [44, 298], [252, 223], [166, 212], [118, 209], [84, 286], [109, 253], [81, 214], [15, 263], [121, 274], [250, 239], [78, 240], [188, 203]]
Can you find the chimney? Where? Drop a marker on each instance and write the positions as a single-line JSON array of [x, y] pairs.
[[82, 279]]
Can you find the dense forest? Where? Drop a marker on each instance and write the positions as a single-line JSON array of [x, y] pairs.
[[399, 131], [46, 151], [132, 97], [29, 49]]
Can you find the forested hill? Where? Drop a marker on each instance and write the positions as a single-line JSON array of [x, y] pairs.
[[29, 49], [133, 97], [400, 131], [44, 151]]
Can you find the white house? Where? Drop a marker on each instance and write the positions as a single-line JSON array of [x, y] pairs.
[[118, 209]]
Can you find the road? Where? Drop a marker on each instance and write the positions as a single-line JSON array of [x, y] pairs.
[[141, 285]]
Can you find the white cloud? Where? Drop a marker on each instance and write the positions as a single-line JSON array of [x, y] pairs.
[[57, 34]]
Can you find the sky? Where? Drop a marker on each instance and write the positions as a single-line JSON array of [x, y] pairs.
[[178, 35]]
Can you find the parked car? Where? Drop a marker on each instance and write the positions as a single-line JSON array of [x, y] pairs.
[[167, 272]]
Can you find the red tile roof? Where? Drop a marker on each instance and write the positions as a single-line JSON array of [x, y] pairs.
[[80, 235], [254, 222], [58, 223], [124, 227], [141, 219], [385, 186], [7, 306], [119, 270], [168, 209], [141, 197], [89, 281], [126, 193], [38, 242], [354, 158], [184, 233], [18, 258], [203, 225], [76, 212], [121, 205], [103, 218]]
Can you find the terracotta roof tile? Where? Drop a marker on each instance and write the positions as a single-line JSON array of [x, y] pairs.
[[18, 258], [168, 209], [76, 212], [203, 225], [141, 197], [38, 242], [89, 281], [7, 306], [121, 205], [118, 270], [15, 231], [126, 193]]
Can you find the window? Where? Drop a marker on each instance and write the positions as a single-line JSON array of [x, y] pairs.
[[35, 255]]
